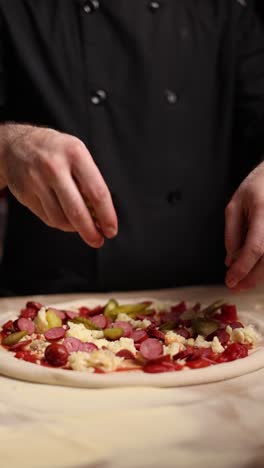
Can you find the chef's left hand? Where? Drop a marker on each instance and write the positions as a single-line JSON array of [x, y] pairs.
[[244, 233]]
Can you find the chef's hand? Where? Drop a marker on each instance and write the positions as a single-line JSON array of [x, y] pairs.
[[51, 173], [244, 233]]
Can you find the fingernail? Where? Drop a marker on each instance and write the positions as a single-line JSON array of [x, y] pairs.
[[231, 282], [111, 232], [97, 245]]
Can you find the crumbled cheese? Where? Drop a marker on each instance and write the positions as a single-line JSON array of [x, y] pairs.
[[247, 335], [171, 337], [135, 323], [190, 342], [104, 360], [229, 330], [96, 337], [122, 343], [38, 345], [40, 321], [173, 348], [78, 330], [216, 345], [181, 362], [200, 342]]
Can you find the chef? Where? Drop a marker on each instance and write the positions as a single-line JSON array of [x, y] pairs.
[[131, 141]]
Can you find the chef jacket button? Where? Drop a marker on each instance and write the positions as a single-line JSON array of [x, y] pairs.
[[171, 97], [154, 6], [90, 6], [174, 197], [98, 97]]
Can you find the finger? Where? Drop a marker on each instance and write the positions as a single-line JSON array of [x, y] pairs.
[[233, 231], [96, 193], [250, 254], [255, 276], [76, 212], [53, 209]]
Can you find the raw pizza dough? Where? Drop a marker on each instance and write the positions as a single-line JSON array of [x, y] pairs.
[[22, 370]]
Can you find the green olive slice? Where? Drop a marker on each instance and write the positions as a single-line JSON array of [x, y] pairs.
[[89, 324], [14, 338], [113, 334], [204, 326]]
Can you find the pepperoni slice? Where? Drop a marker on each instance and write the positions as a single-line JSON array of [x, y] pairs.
[[234, 325], [139, 335], [100, 321], [72, 344], [222, 336], [55, 334], [182, 331], [127, 327], [28, 313], [153, 332], [27, 325], [151, 348], [157, 368], [87, 347], [198, 363], [70, 314], [125, 353], [19, 346], [56, 355], [34, 305]]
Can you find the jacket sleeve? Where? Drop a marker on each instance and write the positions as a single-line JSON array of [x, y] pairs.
[[250, 81]]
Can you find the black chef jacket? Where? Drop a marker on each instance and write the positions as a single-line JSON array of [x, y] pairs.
[[168, 96]]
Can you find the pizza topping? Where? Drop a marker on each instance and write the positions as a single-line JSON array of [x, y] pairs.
[[40, 321], [87, 347], [204, 326], [88, 323], [172, 337], [232, 352], [28, 313], [126, 327], [140, 323], [56, 355], [246, 335], [110, 306], [84, 334], [104, 360], [151, 348], [168, 337], [53, 318], [139, 335], [114, 333], [27, 325], [72, 344], [173, 349], [13, 338], [125, 353], [101, 321], [55, 334], [34, 305]]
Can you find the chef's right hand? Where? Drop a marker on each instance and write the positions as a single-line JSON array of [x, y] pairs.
[[53, 174]]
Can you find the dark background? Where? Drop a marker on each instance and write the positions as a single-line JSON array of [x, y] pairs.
[[260, 7]]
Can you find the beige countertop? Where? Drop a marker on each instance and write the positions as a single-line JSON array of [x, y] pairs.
[[214, 425]]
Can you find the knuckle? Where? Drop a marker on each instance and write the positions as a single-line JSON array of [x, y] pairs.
[[74, 148], [257, 250], [99, 194]]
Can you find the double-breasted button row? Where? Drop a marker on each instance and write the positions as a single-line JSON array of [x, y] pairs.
[[90, 6]]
